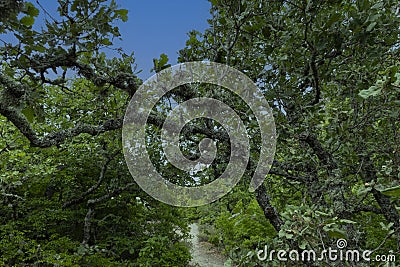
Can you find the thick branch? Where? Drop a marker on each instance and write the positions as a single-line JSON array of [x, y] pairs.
[[87, 228], [82, 197], [93, 202], [325, 157], [270, 212], [55, 138], [316, 82], [41, 64], [387, 208]]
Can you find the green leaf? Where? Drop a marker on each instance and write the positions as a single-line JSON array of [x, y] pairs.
[[214, 2], [39, 48], [371, 26], [29, 113], [122, 14], [283, 233], [303, 244], [374, 17], [27, 21], [363, 190], [392, 192], [372, 91], [332, 19], [336, 233], [386, 227], [347, 221], [377, 5], [321, 213], [160, 64], [288, 235], [163, 60], [31, 10], [106, 41]]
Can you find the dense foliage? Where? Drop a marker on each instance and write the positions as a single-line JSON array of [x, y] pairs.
[[329, 70], [67, 196]]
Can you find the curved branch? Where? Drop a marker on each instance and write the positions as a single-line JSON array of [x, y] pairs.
[[82, 197], [55, 138]]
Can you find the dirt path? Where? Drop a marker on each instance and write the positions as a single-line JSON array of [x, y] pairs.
[[204, 254]]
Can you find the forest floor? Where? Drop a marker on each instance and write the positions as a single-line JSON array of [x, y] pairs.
[[204, 254]]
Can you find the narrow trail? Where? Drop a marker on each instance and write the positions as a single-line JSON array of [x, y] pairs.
[[204, 254]]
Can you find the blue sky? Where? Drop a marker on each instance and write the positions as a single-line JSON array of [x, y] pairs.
[[160, 26]]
